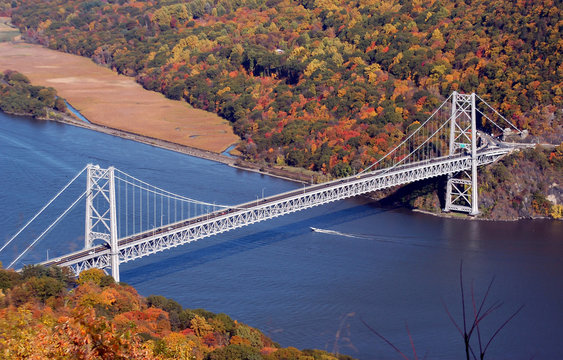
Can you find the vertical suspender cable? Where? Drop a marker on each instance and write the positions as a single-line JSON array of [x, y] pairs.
[[126, 210]]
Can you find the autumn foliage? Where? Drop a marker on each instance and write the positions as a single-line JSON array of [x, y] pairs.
[[46, 314], [320, 84], [524, 185]]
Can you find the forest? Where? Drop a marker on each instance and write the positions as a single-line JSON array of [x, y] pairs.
[[327, 85], [47, 313], [19, 96]]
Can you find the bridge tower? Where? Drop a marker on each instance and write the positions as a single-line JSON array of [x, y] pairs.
[[101, 218], [461, 188]]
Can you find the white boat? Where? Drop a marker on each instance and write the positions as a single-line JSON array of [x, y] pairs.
[[325, 231]]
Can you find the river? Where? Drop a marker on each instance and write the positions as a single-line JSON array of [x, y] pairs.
[[387, 268]]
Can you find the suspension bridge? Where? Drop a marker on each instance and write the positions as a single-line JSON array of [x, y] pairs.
[[127, 218]]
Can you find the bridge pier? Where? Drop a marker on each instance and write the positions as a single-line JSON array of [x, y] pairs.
[[462, 189]]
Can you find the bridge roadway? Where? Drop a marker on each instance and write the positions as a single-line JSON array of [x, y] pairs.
[[166, 237]]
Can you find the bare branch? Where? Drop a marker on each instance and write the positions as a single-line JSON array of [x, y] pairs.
[[484, 300], [500, 328], [451, 317], [476, 315], [472, 351], [466, 336], [384, 339], [497, 305], [462, 296], [412, 343]]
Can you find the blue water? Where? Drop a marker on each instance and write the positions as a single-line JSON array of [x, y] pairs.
[[76, 112], [228, 150], [387, 268]]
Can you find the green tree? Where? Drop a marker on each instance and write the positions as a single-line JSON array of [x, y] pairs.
[[45, 287], [60, 105], [235, 352], [8, 279]]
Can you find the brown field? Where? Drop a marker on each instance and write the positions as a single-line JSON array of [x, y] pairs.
[[108, 99]]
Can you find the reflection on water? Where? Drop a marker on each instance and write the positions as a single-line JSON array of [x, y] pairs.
[[304, 288]]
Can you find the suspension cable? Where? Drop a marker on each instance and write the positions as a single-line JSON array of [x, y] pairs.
[[43, 209], [140, 208], [486, 117], [431, 136], [53, 224], [134, 208], [163, 192], [126, 212], [411, 135], [496, 112]]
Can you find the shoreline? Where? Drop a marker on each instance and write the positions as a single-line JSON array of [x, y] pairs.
[[184, 149], [118, 102], [476, 218], [232, 161]]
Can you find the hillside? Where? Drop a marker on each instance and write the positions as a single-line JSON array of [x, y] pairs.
[[327, 85], [47, 314]]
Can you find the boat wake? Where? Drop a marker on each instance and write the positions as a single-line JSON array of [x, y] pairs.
[[384, 239], [338, 233]]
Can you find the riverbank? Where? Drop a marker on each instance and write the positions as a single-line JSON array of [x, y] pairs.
[[525, 184], [461, 216], [191, 151], [116, 105], [116, 101], [71, 120]]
